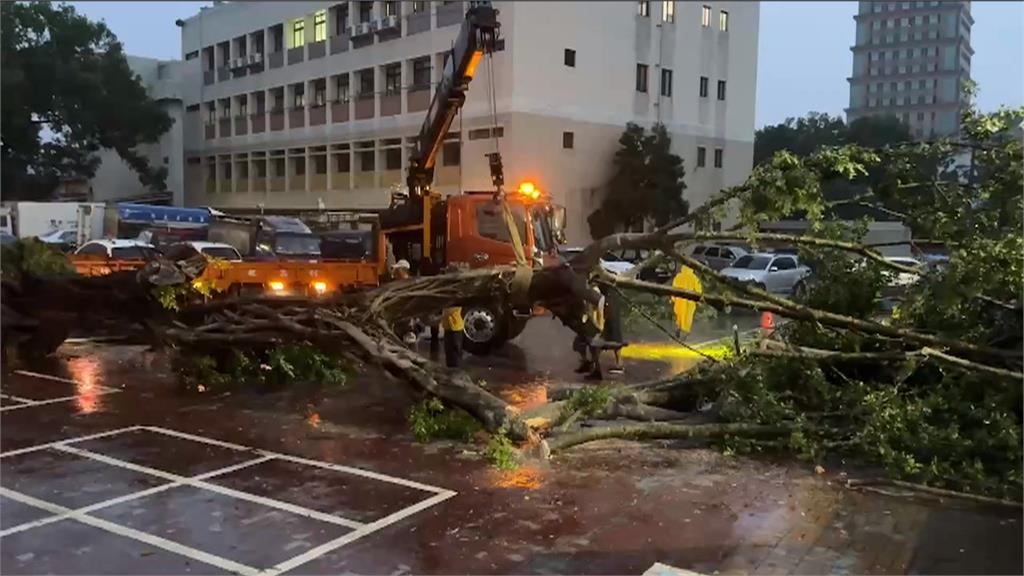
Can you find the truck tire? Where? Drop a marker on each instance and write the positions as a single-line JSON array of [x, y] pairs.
[[486, 328]]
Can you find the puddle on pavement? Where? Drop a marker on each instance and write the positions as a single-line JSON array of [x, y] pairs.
[[526, 477], [86, 372]]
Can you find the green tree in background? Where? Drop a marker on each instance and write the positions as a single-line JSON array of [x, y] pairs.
[[647, 184], [804, 136], [67, 94]]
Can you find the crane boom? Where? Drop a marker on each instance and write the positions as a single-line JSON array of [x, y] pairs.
[[477, 36]]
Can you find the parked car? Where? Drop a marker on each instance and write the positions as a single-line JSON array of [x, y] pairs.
[[6, 238], [185, 250], [777, 273], [118, 249], [661, 273], [609, 262], [718, 257], [63, 239]]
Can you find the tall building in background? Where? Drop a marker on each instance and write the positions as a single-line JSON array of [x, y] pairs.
[[312, 104], [910, 60]]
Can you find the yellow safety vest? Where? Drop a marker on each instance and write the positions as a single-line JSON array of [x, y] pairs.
[[451, 320], [686, 279]]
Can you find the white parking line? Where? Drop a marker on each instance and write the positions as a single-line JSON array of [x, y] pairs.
[[359, 529], [129, 497], [196, 483], [60, 379], [326, 547], [32, 403], [150, 539], [69, 441], [18, 399], [299, 460]]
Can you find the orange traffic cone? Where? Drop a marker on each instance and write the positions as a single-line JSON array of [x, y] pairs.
[[767, 321]]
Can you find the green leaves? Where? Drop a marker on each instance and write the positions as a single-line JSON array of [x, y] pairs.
[[647, 183], [69, 77]]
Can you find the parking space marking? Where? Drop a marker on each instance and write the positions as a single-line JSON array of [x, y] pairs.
[[155, 541], [359, 529], [61, 379], [68, 441], [129, 497], [28, 402], [17, 399], [326, 547], [197, 483], [300, 460], [32, 403]]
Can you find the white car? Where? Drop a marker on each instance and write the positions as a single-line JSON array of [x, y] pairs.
[[118, 249], [901, 279], [183, 250], [609, 262], [777, 273]]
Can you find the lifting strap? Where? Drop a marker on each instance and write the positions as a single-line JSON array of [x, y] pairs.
[[524, 271]]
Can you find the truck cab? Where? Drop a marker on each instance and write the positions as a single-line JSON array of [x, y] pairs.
[[266, 237]]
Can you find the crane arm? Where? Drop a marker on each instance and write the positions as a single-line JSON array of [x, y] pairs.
[[477, 36]]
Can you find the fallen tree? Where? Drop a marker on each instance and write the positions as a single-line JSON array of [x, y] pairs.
[[933, 392]]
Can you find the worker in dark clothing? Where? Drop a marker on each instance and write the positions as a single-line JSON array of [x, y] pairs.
[[608, 317], [453, 326]]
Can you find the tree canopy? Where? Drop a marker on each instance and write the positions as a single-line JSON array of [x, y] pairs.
[[67, 94], [647, 184], [804, 136]]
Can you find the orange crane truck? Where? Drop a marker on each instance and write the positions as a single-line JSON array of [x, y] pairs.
[[471, 229]]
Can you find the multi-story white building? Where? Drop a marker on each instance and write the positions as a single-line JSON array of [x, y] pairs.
[[314, 104]]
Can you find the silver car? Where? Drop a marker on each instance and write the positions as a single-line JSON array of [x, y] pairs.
[[777, 273], [718, 257]]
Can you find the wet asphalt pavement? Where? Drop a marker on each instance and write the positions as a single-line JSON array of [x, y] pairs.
[[114, 471]]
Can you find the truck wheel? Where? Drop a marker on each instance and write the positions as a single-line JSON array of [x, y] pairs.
[[485, 329]]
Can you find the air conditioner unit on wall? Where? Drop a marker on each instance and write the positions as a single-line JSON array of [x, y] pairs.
[[387, 22], [255, 58], [364, 28]]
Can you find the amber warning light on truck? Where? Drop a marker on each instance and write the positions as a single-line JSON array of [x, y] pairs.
[[529, 191]]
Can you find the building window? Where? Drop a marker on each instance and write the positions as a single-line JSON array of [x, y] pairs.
[[320, 26], [419, 6], [367, 163], [452, 154], [391, 8], [393, 159], [365, 11], [666, 82], [702, 156], [300, 95], [668, 11], [243, 106], [567, 140], [723, 21], [718, 157], [570, 57], [298, 33], [641, 77], [341, 86], [300, 165], [366, 84], [421, 73], [643, 8], [319, 93], [721, 89], [703, 86], [320, 164], [705, 16], [392, 79], [343, 163]]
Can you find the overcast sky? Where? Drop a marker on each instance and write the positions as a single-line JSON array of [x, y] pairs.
[[803, 62]]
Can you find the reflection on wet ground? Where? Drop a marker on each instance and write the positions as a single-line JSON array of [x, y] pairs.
[[611, 507]]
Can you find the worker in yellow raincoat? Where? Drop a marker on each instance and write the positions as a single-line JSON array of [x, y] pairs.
[[684, 309]]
